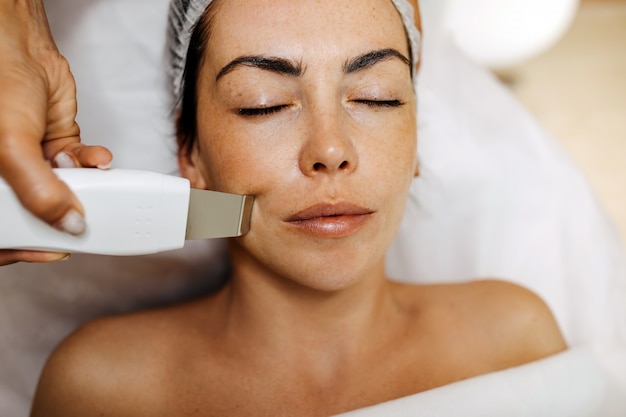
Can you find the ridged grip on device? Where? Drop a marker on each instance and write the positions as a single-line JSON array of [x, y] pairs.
[[127, 213]]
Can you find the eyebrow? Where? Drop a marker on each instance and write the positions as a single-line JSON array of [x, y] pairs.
[[372, 58], [272, 64], [286, 67]]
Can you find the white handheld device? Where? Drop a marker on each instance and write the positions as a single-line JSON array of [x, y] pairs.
[[127, 212]]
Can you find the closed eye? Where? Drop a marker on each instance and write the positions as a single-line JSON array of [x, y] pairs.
[[380, 103], [261, 111]]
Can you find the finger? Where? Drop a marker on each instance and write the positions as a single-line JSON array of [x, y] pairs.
[[8, 257], [91, 156], [37, 188], [69, 153]]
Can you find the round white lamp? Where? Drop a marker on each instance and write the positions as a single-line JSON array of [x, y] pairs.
[[502, 33]]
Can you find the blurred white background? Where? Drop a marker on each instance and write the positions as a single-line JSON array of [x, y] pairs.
[[577, 89], [566, 61]]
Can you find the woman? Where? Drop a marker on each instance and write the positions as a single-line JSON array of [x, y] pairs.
[[309, 106]]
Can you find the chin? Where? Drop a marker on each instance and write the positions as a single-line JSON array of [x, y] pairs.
[[330, 283], [329, 272], [326, 265]]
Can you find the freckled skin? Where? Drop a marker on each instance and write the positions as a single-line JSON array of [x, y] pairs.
[[308, 324]]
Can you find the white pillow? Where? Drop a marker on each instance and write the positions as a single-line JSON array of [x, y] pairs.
[[497, 198]]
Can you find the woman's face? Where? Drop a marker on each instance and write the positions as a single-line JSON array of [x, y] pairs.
[[308, 105]]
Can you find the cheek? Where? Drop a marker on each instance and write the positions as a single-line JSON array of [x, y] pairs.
[[240, 160], [393, 150], [394, 162]]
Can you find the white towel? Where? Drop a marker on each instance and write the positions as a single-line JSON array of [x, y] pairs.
[[569, 384]]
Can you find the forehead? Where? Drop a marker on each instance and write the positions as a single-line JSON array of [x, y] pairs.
[[304, 28]]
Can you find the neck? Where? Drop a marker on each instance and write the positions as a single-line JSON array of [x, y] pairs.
[[279, 311]]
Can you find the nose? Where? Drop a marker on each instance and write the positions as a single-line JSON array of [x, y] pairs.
[[328, 149]]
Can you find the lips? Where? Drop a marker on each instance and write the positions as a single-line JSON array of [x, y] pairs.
[[331, 220]]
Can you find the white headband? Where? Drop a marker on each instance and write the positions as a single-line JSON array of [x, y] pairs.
[[184, 14]]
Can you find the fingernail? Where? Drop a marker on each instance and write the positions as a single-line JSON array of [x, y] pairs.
[[64, 258], [63, 160], [60, 257], [104, 166], [72, 223]]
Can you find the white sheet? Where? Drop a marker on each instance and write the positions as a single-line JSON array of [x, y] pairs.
[[497, 198], [570, 384]]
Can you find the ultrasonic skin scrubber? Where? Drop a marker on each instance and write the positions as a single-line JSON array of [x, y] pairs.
[[127, 212]]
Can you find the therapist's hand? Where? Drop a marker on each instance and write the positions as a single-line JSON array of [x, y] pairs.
[[37, 122]]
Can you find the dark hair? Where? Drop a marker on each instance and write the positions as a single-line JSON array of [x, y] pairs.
[[186, 125]]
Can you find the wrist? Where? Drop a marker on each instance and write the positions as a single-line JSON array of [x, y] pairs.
[[24, 25]]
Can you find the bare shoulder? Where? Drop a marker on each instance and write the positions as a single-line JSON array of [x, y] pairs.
[[516, 323], [500, 324], [109, 365]]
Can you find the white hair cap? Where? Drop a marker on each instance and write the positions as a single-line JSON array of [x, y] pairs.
[[184, 14]]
